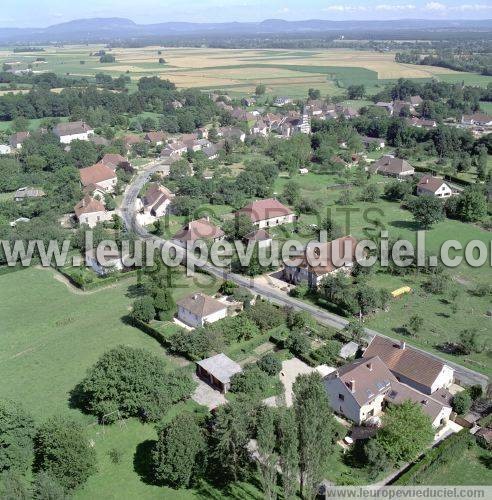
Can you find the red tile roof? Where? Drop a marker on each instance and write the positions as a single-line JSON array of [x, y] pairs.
[[88, 205], [265, 209], [95, 174], [201, 229], [430, 183], [408, 362]]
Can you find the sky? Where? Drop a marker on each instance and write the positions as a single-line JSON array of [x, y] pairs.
[[41, 13]]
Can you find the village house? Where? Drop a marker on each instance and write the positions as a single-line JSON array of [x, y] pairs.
[[415, 101], [17, 139], [375, 142], [260, 128], [268, 213], [388, 106], [157, 200], [218, 371], [112, 261], [201, 229], [392, 167], [156, 138], [71, 131], [402, 108], [282, 101], [421, 122], [294, 124], [319, 260], [28, 192], [234, 133], [5, 149], [347, 112], [242, 115], [479, 119], [411, 366], [224, 106], [130, 140], [248, 101], [434, 186], [211, 151], [362, 390], [99, 175], [174, 150], [115, 161], [91, 211], [199, 309]]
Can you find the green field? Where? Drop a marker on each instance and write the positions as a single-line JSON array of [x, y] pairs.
[[284, 72], [475, 461]]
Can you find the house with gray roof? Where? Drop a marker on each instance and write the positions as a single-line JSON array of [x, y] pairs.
[[199, 309], [218, 371]]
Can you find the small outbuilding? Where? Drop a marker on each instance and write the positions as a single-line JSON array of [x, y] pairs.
[[349, 350], [218, 371]]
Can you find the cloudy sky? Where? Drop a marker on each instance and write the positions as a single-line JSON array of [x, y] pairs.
[[24, 13]]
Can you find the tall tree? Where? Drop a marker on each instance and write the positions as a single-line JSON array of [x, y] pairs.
[[427, 210], [178, 455], [405, 432], [315, 430], [229, 440], [267, 457], [288, 444]]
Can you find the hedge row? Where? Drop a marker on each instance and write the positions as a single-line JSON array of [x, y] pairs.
[[99, 282], [435, 458]]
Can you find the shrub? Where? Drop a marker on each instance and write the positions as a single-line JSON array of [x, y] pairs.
[[462, 402], [251, 381], [265, 315], [270, 364], [298, 343], [328, 353], [143, 309]]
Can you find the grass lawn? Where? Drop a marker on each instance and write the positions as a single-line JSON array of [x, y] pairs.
[[33, 124], [486, 107], [472, 468], [47, 351]]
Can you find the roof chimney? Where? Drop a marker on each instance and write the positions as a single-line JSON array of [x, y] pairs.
[[403, 344], [369, 366], [351, 385]]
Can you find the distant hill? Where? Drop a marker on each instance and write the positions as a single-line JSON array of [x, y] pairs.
[[107, 29]]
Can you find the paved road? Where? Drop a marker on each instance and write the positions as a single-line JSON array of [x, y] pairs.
[[465, 375]]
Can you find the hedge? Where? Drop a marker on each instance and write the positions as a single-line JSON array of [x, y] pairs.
[[435, 458], [99, 282]]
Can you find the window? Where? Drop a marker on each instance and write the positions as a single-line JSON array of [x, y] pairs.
[[341, 397]]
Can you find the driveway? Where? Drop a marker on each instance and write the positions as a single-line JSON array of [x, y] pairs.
[[206, 395], [294, 367]]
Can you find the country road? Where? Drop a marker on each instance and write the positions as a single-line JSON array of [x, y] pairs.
[[128, 212]]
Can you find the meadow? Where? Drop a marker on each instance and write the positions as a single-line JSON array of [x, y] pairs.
[[289, 72]]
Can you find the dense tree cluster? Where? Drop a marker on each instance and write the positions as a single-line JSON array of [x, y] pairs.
[[129, 382]]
